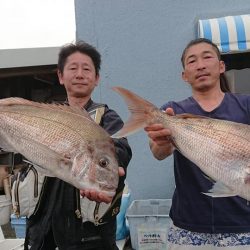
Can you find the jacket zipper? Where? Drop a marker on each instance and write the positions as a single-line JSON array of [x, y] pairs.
[[17, 207], [17, 203], [78, 208], [36, 181], [41, 194], [96, 216]]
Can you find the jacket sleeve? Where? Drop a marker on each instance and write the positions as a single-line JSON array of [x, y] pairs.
[[112, 122]]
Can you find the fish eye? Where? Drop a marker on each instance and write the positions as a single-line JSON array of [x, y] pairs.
[[103, 162]]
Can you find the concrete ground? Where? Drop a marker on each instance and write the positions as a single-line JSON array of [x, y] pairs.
[[8, 233]]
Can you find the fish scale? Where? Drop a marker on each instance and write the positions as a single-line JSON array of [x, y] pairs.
[[221, 149], [61, 141], [220, 160], [55, 113]]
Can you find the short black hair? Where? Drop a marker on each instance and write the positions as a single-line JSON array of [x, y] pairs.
[[198, 41], [82, 47], [224, 84]]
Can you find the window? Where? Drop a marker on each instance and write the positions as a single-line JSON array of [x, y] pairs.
[[238, 71], [37, 83], [232, 36]]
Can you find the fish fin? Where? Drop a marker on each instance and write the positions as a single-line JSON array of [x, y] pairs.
[[220, 190], [187, 115], [77, 169], [51, 106], [209, 178], [70, 109], [40, 169], [6, 146], [140, 112], [13, 101], [53, 158]]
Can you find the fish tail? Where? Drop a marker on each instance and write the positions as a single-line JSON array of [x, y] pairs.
[[141, 112]]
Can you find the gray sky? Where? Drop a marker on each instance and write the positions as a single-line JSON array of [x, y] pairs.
[[36, 23]]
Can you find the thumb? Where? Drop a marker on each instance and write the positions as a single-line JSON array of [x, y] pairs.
[[170, 111]]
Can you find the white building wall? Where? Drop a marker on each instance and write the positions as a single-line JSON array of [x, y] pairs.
[[141, 42]]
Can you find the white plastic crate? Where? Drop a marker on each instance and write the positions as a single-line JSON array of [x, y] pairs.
[[5, 209], [149, 222]]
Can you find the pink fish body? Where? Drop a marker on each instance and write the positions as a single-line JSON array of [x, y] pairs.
[[61, 141], [221, 149]]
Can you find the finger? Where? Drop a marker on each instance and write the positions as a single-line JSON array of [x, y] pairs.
[[104, 198], [154, 127], [170, 111], [82, 193], [160, 134], [163, 141], [93, 195]]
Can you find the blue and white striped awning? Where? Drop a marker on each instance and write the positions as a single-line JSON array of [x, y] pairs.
[[230, 33]]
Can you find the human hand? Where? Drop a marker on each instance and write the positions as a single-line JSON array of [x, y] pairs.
[[160, 139], [94, 195], [158, 134]]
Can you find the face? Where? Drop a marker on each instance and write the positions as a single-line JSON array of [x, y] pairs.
[[79, 76], [202, 68]]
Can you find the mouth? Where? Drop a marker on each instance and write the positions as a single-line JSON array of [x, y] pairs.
[[79, 84], [108, 188], [200, 76]]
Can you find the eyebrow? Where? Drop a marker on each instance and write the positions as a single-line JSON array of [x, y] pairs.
[[207, 52], [76, 63], [203, 53]]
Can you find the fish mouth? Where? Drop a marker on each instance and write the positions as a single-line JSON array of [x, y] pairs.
[[108, 193], [104, 187], [108, 188]]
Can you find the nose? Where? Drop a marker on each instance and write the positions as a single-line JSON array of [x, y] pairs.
[[200, 64], [79, 73]]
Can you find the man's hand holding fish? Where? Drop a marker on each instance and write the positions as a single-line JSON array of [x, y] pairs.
[[160, 142], [94, 195]]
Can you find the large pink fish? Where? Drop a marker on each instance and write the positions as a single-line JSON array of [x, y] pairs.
[[62, 141], [221, 149]]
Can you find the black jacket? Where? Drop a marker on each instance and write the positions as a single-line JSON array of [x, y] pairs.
[[55, 220]]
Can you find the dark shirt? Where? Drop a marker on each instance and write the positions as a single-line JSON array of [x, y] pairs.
[[55, 221], [191, 209]]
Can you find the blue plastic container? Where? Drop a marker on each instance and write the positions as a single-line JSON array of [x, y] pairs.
[[122, 230], [19, 224]]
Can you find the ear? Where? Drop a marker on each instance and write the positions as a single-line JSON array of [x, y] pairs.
[[97, 80], [222, 67], [60, 77], [183, 75]]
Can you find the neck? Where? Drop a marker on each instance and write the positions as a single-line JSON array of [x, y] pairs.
[[78, 101], [210, 99]]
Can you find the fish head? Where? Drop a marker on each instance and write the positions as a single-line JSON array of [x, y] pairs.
[[97, 167]]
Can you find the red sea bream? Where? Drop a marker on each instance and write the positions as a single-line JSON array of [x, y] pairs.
[[61, 141], [221, 149]]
